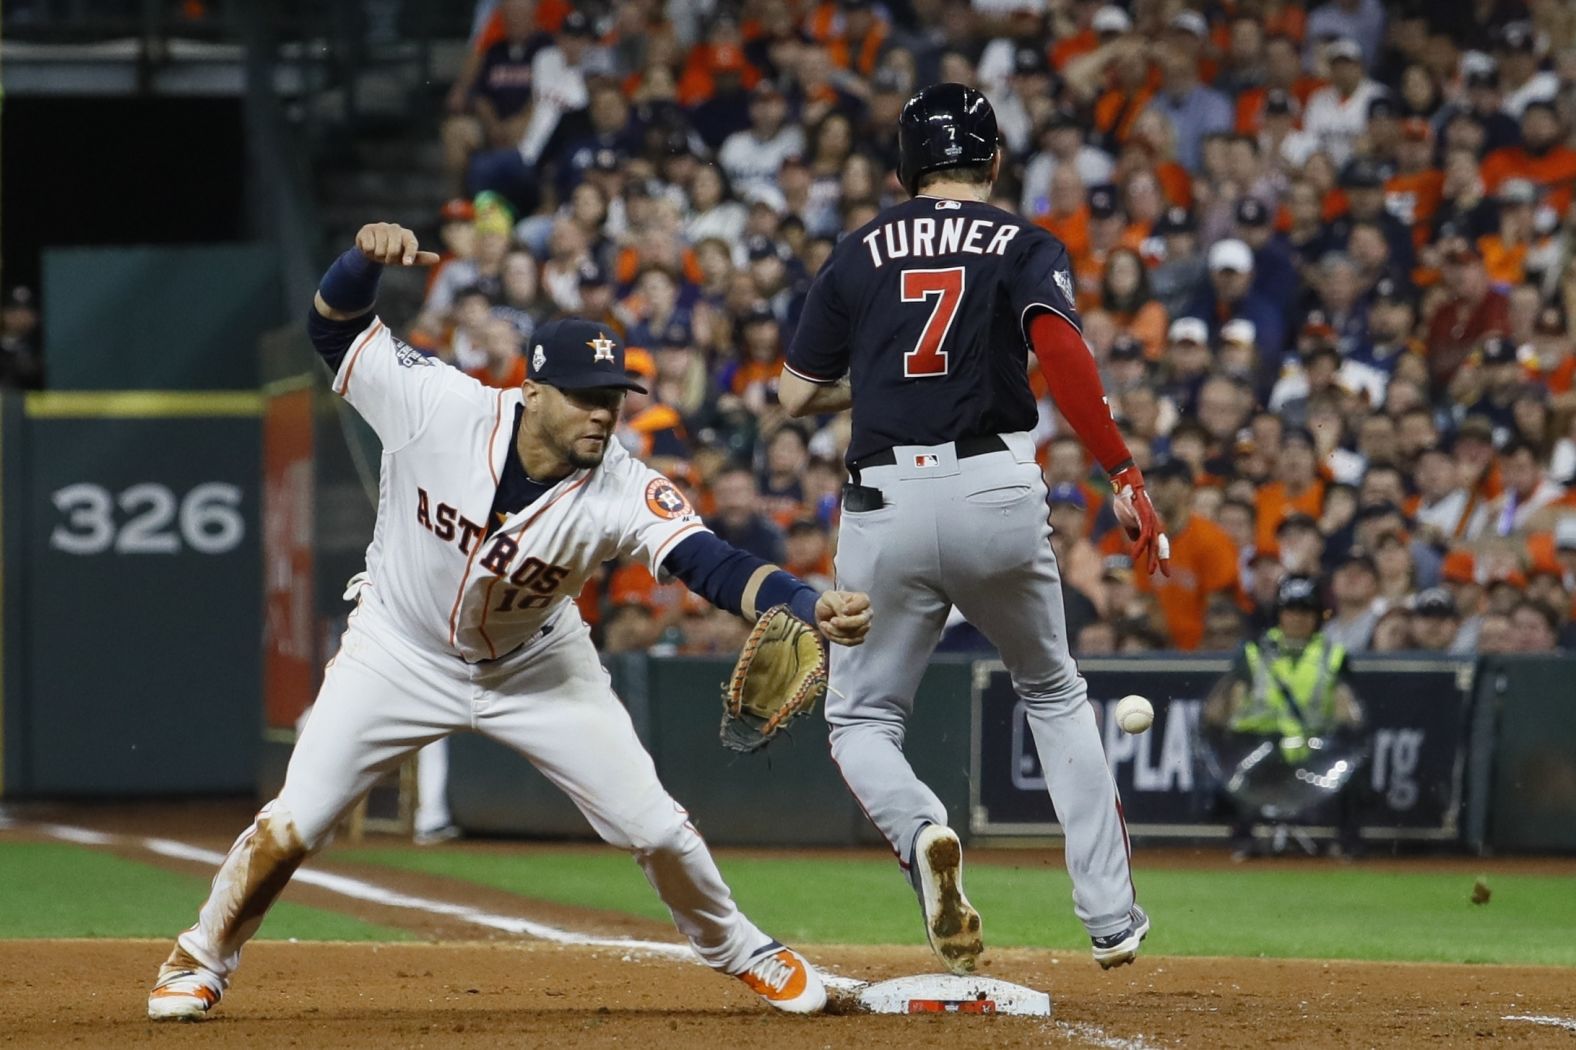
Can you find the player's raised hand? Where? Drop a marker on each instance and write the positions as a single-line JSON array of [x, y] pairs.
[[392, 245], [843, 616], [1137, 514]]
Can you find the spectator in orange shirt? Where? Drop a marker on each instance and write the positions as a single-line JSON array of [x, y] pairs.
[[1068, 216], [1413, 193], [505, 367], [1541, 159], [1506, 252], [1297, 487], [856, 45], [1080, 562], [1203, 558], [1125, 295], [810, 553]]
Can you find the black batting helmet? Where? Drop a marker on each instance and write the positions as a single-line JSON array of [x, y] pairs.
[[943, 126]]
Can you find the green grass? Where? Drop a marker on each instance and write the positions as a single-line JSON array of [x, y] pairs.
[[50, 889], [1334, 913]]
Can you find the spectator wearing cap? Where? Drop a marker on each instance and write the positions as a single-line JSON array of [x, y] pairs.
[[1187, 360], [1285, 89], [1297, 488], [1436, 622], [491, 231], [853, 34], [1061, 144], [1363, 182], [21, 357], [1181, 273], [490, 103], [1541, 158], [1024, 100], [1105, 25], [1203, 557], [1194, 110], [1528, 492], [1521, 81], [1081, 563], [610, 131], [1108, 230], [1229, 295], [597, 296], [1337, 115], [1472, 309], [752, 158], [1413, 193], [1361, 22], [648, 428], [1125, 296], [1274, 276], [1120, 76], [1354, 590], [1382, 134], [457, 231]]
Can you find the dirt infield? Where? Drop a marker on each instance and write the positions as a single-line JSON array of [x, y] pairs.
[[491, 995]]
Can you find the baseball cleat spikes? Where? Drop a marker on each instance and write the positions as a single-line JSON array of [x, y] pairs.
[[183, 995], [1119, 949], [786, 980], [951, 924]]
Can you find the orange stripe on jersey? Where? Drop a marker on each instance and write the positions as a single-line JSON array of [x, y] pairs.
[[455, 612], [685, 531], [487, 598], [355, 353], [497, 420]]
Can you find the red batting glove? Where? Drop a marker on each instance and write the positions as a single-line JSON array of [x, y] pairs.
[[1151, 547]]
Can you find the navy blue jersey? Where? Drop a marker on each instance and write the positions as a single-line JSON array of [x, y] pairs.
[[926, 310]]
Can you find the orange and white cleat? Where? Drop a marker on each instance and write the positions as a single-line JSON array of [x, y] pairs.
[[184, 994], [785, 980]]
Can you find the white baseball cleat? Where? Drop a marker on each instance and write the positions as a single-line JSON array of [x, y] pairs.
[[183, 994], [785, 979], [951, 923], [1121, 948]]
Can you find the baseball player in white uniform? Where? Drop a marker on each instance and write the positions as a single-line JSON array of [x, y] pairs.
[[494, 507]]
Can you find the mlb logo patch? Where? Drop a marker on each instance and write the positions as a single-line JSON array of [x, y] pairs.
[[925, 460]]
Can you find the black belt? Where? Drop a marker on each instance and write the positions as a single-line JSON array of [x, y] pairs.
[[964, 448], [858, 497], [545, 630]]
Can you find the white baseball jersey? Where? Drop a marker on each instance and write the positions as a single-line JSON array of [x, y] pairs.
[[432, 565]]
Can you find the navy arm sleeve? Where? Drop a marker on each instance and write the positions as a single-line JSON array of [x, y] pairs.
[[718, 571], [332, 339], [1044, 282]]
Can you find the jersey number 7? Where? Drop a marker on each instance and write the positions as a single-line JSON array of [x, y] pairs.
[[928, 358]]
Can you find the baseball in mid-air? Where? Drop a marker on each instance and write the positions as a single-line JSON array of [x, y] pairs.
[[1134, 714]]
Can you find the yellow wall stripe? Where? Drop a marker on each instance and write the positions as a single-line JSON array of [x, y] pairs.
[[141, 404]]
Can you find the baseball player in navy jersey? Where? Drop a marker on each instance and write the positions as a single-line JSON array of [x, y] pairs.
[[922, 321], [494, 506]]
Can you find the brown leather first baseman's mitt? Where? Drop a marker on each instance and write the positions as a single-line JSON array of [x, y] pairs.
[[781, 674]]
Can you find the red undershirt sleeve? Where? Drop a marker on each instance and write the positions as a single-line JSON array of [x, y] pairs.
[[1074, 381]]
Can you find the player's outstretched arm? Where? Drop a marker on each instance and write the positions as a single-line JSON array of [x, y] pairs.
[[350, 287], [1070, 372], [801, 397], [741, 583]]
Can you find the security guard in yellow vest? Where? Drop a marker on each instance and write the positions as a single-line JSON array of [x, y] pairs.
[[1289, 684]]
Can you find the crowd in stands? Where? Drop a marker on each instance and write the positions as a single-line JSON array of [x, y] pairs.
[[1323, 255]]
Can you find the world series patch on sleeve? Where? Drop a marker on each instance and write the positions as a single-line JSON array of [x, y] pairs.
[[780, 675]]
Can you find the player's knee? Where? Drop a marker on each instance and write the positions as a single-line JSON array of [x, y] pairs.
[[850, 737], [278, 835], [666, 837]]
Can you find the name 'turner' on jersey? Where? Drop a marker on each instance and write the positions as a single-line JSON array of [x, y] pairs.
[[925, 237]]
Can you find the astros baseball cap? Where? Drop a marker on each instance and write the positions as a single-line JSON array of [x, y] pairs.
[[572, 354], [1344, 48]]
